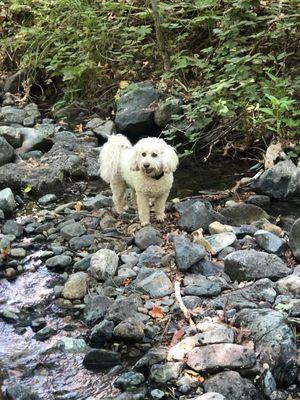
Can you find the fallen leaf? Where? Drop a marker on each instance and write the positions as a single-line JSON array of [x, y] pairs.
[[78, 206], [156, 312], [176, 337], [126, 282], [79, 128]]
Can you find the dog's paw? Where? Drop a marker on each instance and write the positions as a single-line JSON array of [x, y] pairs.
[[144, 223], [160, 217]]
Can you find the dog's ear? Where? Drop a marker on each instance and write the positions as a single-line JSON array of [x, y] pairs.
[[134, 161], [170, 160]]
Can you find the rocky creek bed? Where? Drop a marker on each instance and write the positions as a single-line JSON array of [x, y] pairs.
[[92, 306]]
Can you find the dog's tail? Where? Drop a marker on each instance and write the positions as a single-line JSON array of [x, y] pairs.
[[110, 155]]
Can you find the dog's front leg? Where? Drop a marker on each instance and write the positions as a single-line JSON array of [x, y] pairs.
[[143, 208], [160, 205]]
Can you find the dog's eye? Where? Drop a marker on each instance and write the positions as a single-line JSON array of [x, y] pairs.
[[144, 154], [154, 155]]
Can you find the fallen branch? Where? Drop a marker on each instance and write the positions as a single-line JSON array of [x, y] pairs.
[[182, 307]]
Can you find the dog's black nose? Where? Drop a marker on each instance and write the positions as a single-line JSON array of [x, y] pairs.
[[146, 165]]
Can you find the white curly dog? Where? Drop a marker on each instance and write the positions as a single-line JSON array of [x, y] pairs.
[[147, 167]]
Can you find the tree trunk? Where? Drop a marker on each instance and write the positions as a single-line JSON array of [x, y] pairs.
[[159, 35]]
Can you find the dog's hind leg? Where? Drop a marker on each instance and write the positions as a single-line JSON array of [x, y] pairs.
[[143, 208], [159, 206], [118, 190]]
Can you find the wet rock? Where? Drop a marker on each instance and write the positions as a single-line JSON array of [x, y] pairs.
[[11, 135], [124, 308], [217, 357], [84, 241], [166, 109], [9, 316], [130, 329], [163, 373], [7, 201], [97, 202], [20, 392], [45, 333], [232, 386], [198, 285], [289, 285], [18, 253], [11, 227], [270, 242], [76, 286], [98, 359], [215, 243], [129, 379], [147, 236], [241, 214], [153, 282], [295, 239], [59, 261], [83, 264], [101, 333], [71, 345], [96, 307], [134, 115], [7, 152], [274, 342], [47, 199], [104, 263], [243, 265], [280, 181], [199, 215], [187, 253], [268, 383], [157, 394], [259, 200], [38, 324], [72, 230]]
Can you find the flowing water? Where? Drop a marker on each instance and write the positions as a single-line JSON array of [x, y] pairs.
[[40, 365]]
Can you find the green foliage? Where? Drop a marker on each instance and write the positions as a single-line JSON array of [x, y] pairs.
[[284, 306], [233, 61]]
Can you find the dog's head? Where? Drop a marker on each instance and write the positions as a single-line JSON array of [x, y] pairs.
[[153, 156]]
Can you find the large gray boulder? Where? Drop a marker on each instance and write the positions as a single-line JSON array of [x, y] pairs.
[[295, 239], [135, 110], [7, 152], [197, 215], [248, 265], [274, 342], [280, 181]]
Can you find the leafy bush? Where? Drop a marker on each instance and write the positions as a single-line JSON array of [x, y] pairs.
[[234, 62]]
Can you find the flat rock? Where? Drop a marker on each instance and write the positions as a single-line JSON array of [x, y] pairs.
[[104, 263], [295, 239], [59, 261], [154, 282], [215, 243], [187, 253], [99, 359], [243, 265], [75, 229], [274, 341], [217, 357], [232, 386], [242, 213], [199, 285], [270, 242]]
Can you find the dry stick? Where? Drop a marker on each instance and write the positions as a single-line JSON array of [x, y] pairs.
[[182, 307]]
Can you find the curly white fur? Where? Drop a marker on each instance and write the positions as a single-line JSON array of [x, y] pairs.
[[146, 167]]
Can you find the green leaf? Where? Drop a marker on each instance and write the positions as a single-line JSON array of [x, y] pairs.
[[27, 188]]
